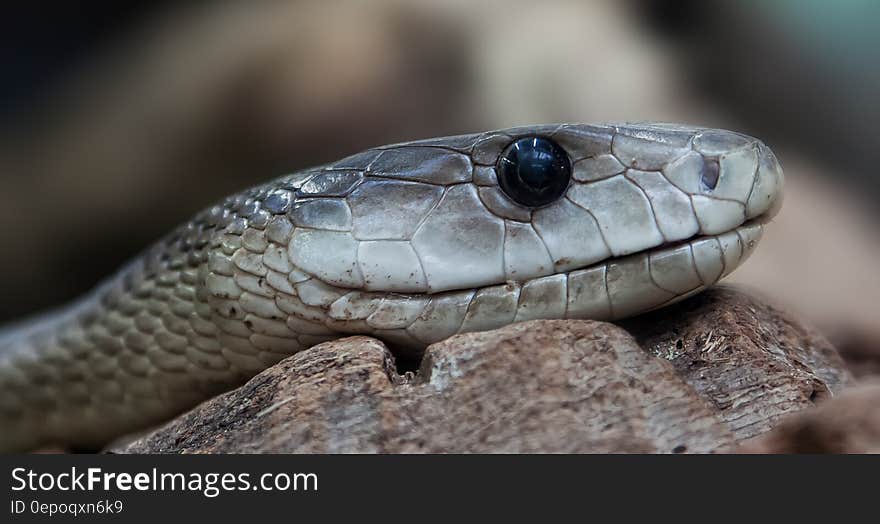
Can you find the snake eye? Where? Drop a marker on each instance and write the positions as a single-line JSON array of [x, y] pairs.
[[534, 171]]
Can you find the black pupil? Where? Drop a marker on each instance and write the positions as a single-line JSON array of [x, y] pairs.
[[534, 171]]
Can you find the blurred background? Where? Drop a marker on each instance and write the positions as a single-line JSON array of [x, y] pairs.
[[120, 120]]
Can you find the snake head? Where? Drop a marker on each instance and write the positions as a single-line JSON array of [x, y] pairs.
[[415, 242], [437, 215]]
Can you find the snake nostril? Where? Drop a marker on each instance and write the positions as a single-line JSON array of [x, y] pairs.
[[709, 173]]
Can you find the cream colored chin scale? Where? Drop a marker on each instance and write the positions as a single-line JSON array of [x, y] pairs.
[[409, 243]]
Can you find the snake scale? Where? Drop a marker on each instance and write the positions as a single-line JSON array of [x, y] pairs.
[[410, 243]]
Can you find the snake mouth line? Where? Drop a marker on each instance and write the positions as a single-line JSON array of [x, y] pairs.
[[760, 220], [757, 221]]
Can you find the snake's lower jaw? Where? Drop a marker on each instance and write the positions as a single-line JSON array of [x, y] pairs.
[[667, 274]]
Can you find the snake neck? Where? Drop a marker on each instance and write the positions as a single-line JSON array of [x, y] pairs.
[[88, 371]]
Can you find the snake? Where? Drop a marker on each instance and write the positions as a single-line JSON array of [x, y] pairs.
[[409, 243]]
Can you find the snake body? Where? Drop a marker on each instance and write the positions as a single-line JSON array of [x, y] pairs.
[[410, 243]]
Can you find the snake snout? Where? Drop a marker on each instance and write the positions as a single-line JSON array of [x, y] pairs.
[[766, 196]]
